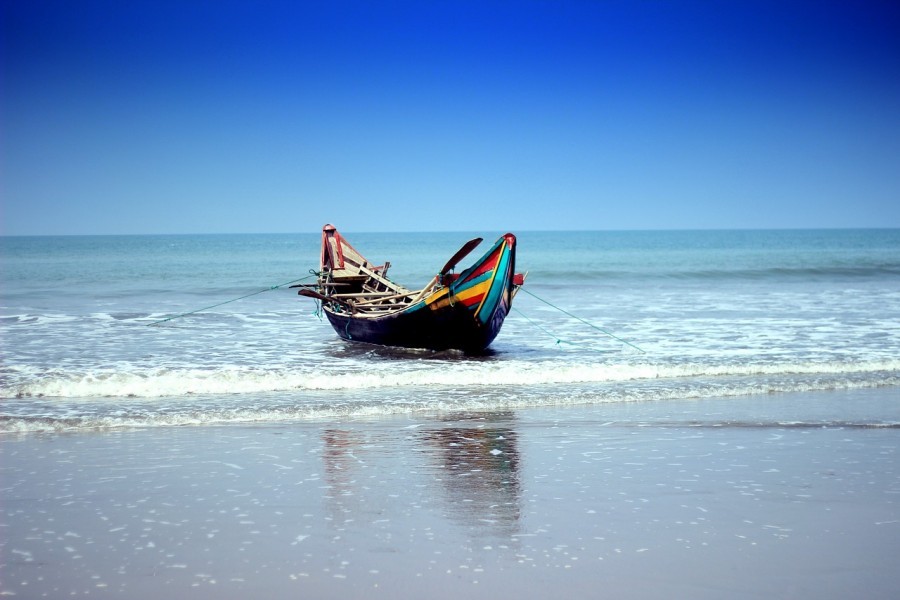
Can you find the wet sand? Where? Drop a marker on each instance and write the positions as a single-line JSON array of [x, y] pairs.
[[787, 496]]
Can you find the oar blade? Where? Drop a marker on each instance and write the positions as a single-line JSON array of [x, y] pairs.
[[460, 254]]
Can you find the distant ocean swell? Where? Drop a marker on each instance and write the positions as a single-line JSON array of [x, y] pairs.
[[800, 273]]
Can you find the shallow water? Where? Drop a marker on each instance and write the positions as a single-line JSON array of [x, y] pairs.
[[660, 316]]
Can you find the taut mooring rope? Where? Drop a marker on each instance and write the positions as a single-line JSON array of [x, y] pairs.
[[268, 289], [538, 325], [565, 312]]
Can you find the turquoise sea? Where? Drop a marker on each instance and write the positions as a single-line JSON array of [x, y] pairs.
[[704, 314]]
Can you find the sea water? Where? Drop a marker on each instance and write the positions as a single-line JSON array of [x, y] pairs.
[[94, 334]]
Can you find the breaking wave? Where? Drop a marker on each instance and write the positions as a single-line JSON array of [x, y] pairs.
[[174, 382]]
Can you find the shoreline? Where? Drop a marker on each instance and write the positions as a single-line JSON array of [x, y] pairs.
[[786, 495]]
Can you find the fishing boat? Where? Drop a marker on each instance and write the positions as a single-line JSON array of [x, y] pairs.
[[462, 311]]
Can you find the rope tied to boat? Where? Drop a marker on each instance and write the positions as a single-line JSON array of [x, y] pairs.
[[577, 318], [312, 273], [538, 325]]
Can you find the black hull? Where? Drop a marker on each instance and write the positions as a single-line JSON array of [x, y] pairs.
[[449, 328]]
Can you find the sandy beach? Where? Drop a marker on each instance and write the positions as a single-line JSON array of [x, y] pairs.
[[704, 499]]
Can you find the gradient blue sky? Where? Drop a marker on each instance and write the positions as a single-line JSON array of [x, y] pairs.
[[129, 116]]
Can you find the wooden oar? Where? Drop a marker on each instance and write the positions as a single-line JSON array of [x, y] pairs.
[[460, 254], [324, 298]]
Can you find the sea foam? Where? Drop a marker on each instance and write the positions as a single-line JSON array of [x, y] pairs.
[[171, 382]]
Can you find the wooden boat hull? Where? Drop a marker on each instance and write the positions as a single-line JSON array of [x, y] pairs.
[[450, 328], [466, 313]]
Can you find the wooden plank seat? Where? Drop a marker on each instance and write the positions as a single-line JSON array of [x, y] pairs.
[[383, 300], [365, 295]]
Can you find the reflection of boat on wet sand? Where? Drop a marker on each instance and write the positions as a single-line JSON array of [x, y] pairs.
[[481, 480], [461, 311], [470, 465]]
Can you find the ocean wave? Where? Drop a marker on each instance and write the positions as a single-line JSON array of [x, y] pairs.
[[732, 273], [39, 319], [175, 382], [80, 415]]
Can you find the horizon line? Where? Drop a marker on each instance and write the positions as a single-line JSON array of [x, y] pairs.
[[417, 231]]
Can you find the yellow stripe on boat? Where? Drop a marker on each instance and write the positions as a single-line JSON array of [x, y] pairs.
[[481, 288], [440, 300], [435, 297]]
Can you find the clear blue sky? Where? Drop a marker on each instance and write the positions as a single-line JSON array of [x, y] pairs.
[[133, 116]]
